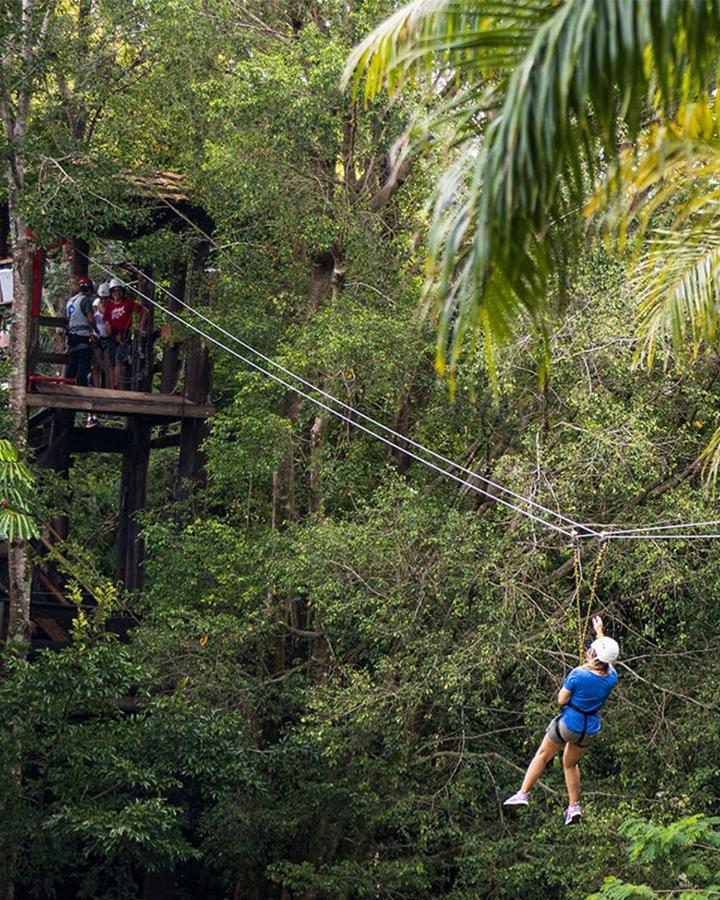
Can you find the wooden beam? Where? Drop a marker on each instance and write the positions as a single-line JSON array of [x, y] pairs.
[[52, 588], [54, 631], [98, 440], [53, 321], [165, 440], [57, 359]]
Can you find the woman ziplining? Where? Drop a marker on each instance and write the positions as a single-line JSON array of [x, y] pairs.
[[582, 696]]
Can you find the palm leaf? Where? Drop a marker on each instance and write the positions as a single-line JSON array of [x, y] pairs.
[[15, 484], [429, 34], [711, 461], [15, 525], [588, 74], [671, 176], [679, 281]]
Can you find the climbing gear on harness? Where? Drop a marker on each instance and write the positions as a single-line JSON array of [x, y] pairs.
[[606, 649], [573, 814]]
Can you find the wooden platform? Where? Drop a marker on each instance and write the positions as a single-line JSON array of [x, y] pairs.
[[101, 400]]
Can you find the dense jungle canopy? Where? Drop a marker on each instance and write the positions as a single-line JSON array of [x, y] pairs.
[[493, 227]]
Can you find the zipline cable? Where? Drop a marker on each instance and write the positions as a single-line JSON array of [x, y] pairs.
[[578, 530], [585, 531], [663, 527], [585, 528], [337, 413]]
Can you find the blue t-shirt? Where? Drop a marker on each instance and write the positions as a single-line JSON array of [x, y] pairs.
[[589, 691]]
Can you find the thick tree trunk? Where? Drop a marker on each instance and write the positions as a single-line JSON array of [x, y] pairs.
[[317, 440], [19, 563]]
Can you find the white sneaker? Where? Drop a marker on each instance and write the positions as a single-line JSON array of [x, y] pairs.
[[522, 798], [573, 814]]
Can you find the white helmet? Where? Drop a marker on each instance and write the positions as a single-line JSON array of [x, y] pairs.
[[115, 282], [96, 303], [103, 289], [606, 649]]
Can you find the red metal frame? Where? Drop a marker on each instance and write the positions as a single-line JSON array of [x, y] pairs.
[[55, 379], [39, 273]]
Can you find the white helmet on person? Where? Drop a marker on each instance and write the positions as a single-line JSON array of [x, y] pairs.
[[115, 283], [605, 649], [103, 289]]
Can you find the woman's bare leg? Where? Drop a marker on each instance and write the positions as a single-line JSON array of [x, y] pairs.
[[571, 757], [545, 753]]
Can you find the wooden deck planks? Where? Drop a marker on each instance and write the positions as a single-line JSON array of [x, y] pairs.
[[101, 400]]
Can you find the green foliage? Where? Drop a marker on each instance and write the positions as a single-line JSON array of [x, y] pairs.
[[16, 483], [342, 661], [588, 72], [679, 858]]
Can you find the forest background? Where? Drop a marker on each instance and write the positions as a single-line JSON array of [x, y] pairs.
[[342, 660]]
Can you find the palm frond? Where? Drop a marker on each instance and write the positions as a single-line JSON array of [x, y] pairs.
[[15, 524], [428, 35], [671, 178], [711, 462], [673, 168], [15, 485], [679, 281], [588, 74]]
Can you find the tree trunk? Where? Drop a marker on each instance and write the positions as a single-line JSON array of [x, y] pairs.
[[19, 563], [317, 440]]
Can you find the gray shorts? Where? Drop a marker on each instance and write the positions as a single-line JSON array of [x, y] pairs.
[[557, 732]]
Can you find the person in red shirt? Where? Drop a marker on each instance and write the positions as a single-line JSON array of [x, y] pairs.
[[119, 314]]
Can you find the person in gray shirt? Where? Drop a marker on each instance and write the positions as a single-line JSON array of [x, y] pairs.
[[80, 332]]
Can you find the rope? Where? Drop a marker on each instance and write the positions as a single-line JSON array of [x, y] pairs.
[[577, 568], [621, 535], [664, 527], [582, 624], [593, 594]]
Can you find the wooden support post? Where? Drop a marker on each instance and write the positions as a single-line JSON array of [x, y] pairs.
[[171, 352], [4, 230], [193, 432], [133, 488], [198, 383], [142, 357], [57, 456]]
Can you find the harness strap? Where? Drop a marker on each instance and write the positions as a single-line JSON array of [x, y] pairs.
[[585, 713]]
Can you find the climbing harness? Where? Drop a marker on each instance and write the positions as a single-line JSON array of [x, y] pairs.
[[585, 713]]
